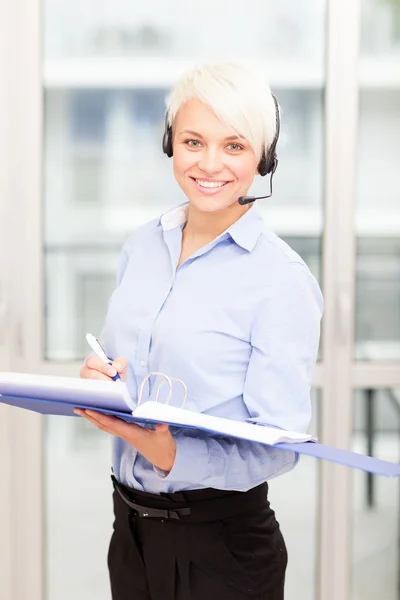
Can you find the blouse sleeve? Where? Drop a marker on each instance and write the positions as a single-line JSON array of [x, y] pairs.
[[284, 339]]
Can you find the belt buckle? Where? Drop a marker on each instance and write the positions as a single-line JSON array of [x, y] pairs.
[[142, 512], [156, 513]]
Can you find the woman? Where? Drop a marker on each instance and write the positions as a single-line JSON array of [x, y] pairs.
[[209, 295]]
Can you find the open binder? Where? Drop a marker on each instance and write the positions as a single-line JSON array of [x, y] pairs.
[[51, 395]]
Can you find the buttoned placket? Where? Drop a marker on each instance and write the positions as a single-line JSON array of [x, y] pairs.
[[173, 241]]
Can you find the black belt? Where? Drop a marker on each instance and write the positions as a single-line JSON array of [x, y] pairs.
[[222, 505], [155, 513]]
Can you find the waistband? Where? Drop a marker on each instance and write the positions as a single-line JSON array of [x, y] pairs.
[[203, 505]]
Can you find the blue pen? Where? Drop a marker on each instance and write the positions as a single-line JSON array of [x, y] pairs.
[[96, 347]]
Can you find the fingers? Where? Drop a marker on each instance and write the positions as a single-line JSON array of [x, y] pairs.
[[121, 366], [95, 363], [112, 425], [95, 368], [162, 428], [86, 373], [158, 446]]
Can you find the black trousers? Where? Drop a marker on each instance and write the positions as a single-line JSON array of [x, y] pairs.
[[197, 545]]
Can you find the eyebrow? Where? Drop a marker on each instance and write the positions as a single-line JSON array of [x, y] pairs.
[[197, 134]]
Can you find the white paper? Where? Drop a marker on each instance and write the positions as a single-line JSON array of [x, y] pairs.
[[255, 433], [71, 390]]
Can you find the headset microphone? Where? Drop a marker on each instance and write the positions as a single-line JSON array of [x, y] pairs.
[[268, 162], [248, 199]]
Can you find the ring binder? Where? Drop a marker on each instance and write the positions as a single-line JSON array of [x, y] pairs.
[[50, 395]]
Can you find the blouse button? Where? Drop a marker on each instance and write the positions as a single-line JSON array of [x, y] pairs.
[[142, 363]]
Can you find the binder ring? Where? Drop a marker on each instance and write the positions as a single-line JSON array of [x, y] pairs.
[[148, 377], [169, 395]]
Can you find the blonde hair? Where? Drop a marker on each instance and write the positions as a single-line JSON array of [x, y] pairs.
[[238, 94]]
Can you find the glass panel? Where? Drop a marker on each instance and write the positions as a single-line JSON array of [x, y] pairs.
[[268, 29], [78, 505], [300, 521], [376, 508], [378, 210], [79, 280], [380, 33]]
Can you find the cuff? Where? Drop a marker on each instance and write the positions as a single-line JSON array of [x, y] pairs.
[[191, 461], [289, 464]]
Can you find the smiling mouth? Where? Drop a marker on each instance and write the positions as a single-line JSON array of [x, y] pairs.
[[210, 184]]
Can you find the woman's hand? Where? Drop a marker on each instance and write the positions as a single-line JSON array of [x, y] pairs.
[[158, 445], [95, 368]]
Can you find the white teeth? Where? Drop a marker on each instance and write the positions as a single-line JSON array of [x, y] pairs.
[[210, 184]]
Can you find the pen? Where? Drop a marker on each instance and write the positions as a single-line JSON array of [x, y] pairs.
[[97, 348]]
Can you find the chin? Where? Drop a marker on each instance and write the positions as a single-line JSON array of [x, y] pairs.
[[212, 204]]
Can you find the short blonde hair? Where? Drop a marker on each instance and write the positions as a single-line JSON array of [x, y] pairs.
[[238, 94]]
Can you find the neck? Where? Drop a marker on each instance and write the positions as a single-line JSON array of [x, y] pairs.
[[208, 226]]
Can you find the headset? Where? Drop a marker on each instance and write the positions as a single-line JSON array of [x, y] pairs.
[[268, 162]]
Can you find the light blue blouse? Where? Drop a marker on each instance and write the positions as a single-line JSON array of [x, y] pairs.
[[238, 322]]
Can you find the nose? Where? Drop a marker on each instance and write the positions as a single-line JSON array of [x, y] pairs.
[[210, 161]]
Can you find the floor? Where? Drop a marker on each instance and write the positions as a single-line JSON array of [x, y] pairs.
[[79, 518]]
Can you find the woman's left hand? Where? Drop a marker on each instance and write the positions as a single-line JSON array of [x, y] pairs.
[[158, 445]]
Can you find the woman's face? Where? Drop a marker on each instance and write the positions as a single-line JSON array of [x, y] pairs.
[[212, 165]]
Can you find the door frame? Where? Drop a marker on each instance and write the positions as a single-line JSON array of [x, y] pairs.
[[21, 508]]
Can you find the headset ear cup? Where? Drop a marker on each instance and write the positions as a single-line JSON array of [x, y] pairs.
[[262, 165], [167, 138], [269, 160], [167, 141]]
